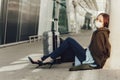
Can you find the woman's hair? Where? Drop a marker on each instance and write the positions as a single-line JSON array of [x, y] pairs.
[[105, 19]]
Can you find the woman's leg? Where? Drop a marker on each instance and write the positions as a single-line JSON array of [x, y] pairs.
[[79, 51], [59, 51], [67, 56], [71, 44]]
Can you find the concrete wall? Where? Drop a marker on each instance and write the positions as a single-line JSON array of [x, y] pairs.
[[115, 34], [45, 17]]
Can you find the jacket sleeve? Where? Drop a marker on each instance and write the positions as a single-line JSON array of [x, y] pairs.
[[107, 46], [104, 45]]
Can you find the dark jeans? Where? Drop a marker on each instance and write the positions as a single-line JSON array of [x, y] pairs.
[[68, 45]]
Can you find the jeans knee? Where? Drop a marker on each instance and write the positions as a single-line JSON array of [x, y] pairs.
[[69, 38]]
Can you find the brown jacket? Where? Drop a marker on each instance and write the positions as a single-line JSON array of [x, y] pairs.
[[100, 46]]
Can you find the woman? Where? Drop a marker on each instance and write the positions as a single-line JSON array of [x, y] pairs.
[[95, 55]]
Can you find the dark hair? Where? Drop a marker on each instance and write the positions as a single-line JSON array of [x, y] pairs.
[[105, 19]]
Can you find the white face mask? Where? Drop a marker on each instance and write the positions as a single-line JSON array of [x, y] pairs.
[[98, 24]]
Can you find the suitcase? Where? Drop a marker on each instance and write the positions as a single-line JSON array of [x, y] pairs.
[[51, 38], [51, 41]]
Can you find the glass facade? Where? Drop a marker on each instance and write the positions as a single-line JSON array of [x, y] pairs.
[[62, 19], [63, 22], [18, 20]]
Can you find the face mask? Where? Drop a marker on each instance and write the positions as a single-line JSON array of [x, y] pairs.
[[98, 24]]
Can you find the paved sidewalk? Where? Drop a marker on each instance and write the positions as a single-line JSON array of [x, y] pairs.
[[14, 64]]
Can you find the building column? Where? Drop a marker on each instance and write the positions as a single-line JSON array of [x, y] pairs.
[[45, 16], [115, 34]]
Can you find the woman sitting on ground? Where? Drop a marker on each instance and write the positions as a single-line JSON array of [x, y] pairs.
[[94, 56]]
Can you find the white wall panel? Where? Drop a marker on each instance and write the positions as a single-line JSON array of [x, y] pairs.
[[45, 17]]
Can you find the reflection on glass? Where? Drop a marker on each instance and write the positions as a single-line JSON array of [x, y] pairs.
[[19, 20], [63, 22], [11, 21], [62, 19]]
